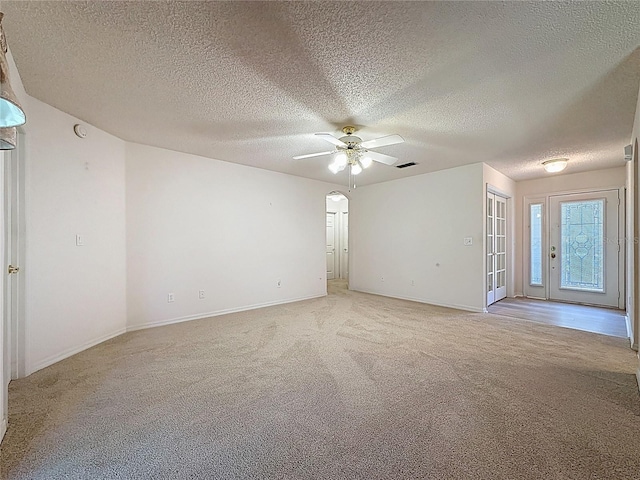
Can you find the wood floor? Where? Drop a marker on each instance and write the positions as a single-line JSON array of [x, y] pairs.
[[579, 317]]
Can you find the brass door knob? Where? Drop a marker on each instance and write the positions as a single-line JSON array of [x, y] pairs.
[[553, 255], [13, 269]]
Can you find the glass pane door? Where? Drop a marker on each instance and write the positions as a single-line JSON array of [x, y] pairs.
[[583, 248], [496, 242]]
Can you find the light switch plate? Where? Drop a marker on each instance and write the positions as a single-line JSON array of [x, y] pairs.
[[79, 240]]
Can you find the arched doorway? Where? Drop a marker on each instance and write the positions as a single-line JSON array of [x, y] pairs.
[[337, 244]]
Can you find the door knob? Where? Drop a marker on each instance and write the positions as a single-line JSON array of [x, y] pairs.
[[553, 255], [13, 269]]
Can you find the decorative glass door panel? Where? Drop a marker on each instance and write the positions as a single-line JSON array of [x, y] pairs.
[[582, 245]]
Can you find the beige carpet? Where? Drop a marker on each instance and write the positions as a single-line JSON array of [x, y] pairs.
[[351, 386]]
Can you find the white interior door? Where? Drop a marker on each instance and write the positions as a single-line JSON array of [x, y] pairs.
[[344, 246], [13, 252], [331, 245], [584, 248], [496, 248]]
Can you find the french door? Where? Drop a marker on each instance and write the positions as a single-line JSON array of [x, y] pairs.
[[496, 248], [584, 248]]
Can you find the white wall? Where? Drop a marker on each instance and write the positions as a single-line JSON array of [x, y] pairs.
[[412, 230], [233, 231], [75, 295], [609, 178]]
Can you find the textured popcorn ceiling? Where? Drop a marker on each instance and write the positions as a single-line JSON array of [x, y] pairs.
[[509, 84]]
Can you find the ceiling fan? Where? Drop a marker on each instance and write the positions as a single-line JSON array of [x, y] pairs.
[[351, 151]]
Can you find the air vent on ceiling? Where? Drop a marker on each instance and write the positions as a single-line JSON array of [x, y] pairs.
[[405, 165]]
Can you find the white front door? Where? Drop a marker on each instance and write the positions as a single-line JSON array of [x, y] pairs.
[[496, 248], [584, 247], [344, 246], [331, 245]]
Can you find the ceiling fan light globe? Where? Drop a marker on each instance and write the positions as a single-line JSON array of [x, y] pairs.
[[356, 169], [341, 159], [334, 167], [366, 162]]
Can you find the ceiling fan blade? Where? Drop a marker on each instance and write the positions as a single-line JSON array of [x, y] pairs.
[[381, 157], [383, 141], [331, 139], [309, 155]]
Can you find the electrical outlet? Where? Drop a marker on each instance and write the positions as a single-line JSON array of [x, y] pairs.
[[201, 294], [468, 241], [413, 283], [382, 279], [279, 283], [170, 298]]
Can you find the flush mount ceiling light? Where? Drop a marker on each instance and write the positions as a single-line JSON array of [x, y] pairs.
[[555, 165], [11, 113], [353, 153]]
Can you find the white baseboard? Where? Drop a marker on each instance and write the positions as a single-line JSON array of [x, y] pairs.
[[428, 302], [3, 428], [200, 316], [72, 351], [627, 322]]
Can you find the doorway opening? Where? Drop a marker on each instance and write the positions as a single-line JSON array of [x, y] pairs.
[[12, 355], [573, 249], [337, 238], [14, 287]]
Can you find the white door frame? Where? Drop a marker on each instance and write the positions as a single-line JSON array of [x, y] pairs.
[[12, 225], [491, 190], [4, 329], [544, 198], [342, 248], [14, 251]]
